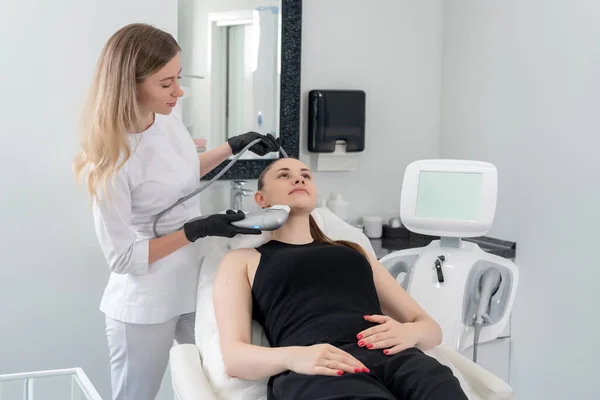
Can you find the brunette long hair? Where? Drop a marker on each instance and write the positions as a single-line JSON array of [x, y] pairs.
[[316, 232]]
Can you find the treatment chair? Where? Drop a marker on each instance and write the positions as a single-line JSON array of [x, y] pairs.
[[197, 371]]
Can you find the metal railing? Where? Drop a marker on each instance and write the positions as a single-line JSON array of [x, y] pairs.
[[79, 380]]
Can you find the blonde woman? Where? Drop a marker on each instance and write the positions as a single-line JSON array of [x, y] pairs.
[[139, 159]]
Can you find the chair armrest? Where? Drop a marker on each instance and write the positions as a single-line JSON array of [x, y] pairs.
[[485, 384], [187, 376]]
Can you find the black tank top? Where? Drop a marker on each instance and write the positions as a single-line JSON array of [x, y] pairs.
[[312, 293]]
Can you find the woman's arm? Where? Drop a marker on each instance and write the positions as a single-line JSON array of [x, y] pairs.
[[161, 247], [398, 304], [210, 159], [233, 308], [124, 251]]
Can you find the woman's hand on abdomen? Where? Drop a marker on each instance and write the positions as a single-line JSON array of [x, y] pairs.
[[322, 359]]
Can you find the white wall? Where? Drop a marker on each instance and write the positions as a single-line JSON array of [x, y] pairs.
[[52, 273], [392, 51], [521, 88]]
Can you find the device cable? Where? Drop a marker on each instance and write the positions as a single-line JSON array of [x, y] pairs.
[[478, 326]]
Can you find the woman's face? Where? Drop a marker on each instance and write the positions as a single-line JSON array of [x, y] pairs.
[[159, 92], [288, 182]]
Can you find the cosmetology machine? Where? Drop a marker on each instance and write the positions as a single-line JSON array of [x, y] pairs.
[[469, 292]]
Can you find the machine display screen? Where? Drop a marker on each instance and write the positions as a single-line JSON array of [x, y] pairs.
[[449, 195]]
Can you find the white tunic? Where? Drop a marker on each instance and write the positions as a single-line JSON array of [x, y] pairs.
[[162, 168]]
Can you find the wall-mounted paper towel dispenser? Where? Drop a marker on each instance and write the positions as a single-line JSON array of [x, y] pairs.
[[336, 116]]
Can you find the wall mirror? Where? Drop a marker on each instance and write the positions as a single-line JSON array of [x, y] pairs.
[[241, 72]]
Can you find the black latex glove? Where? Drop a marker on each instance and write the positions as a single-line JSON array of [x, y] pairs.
[[268, 143], [217, 225]]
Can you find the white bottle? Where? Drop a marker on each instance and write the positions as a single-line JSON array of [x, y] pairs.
[[373, 226], [339, 207]]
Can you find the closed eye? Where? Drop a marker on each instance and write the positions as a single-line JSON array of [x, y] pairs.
[[285, 175], [169, 85]]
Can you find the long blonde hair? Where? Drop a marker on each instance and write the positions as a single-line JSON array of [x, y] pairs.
[[317, 234], [133, 53]]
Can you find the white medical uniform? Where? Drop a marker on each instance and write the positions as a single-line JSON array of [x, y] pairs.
[[147, 306]]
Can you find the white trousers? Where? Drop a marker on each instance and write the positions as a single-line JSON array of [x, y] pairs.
[[139, 354]]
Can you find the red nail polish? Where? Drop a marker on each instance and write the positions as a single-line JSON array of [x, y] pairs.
[[369, 346], [386, 351], [340, 372], [359, 336], [357, 369], [365, 369], [361, 343]]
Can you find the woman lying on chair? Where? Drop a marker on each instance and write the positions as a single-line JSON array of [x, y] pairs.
[[339, 325]]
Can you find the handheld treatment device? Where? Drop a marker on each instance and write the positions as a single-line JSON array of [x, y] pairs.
[[273, 217], [489, 283], [268, 219]]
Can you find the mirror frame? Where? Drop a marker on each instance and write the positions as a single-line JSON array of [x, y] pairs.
[[289, 101]]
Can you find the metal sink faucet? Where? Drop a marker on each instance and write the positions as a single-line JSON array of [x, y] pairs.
[[237, 192]]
